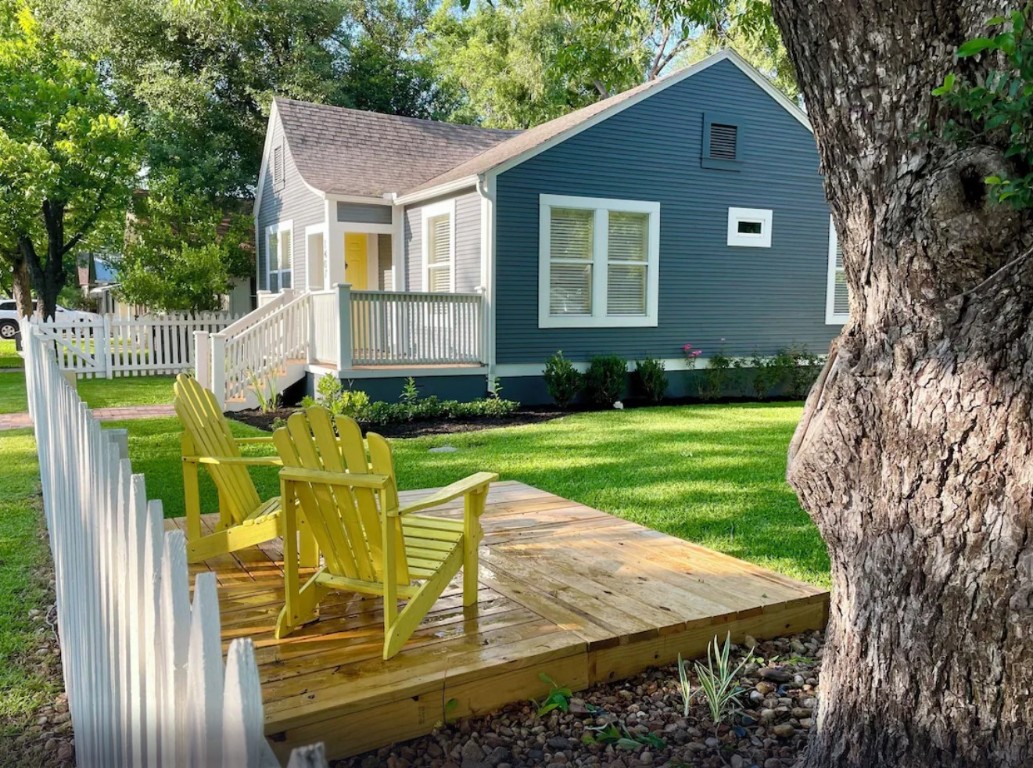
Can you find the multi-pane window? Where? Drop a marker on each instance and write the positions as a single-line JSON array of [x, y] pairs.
[[837, 303], [279, 244], [439, 254], [598, 262]]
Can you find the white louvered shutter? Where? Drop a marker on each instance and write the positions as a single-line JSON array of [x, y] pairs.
[[841, 293], [627, 263], [570, 257], [439, 254]]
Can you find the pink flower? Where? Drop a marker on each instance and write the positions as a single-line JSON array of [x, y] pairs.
[[697, 353]]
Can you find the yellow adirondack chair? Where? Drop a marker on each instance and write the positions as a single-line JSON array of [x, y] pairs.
[[244, 518], [369, 544]]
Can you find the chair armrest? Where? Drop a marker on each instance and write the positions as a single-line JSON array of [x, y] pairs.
[[245, 461], [345, 479], [462, 487], [253, 440]]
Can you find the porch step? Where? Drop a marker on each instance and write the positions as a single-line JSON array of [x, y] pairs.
[[292, 372]]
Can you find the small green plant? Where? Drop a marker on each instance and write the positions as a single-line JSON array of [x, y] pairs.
[[558, 697], [562, 380], [604, 381], [652, 376], [620, 737], [332, 395], [718, 686], [264, 392], [715, 376]]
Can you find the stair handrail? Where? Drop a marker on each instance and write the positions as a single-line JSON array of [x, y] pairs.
[[230, 375]]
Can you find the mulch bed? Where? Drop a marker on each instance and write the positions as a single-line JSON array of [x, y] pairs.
[[265, 421], [771, 730]]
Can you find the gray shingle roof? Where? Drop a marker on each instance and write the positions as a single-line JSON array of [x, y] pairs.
[[352, 152]]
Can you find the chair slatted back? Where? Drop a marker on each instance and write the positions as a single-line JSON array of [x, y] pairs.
[[345, 522], [206, 433]]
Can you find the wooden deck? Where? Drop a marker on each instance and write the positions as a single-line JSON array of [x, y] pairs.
[[565, 589]]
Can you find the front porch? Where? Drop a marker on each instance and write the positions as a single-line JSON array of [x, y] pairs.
[[565, 589], [352, 333]]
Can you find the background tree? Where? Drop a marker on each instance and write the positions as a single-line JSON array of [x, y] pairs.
[[67, 161], [518, 64]]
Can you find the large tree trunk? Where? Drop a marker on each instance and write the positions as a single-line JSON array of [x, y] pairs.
[[48, 277], [914, 453]]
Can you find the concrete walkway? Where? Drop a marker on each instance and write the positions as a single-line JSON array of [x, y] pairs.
[[129, 412]]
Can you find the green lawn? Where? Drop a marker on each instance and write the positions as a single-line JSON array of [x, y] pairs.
[[98, 393], [23, 585], [9, 357], [713, 474]]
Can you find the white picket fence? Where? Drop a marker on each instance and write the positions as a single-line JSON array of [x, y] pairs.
[[143, 667], [108, 346]]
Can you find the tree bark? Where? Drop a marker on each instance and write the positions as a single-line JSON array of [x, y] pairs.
[[913, 454], [48, 277]]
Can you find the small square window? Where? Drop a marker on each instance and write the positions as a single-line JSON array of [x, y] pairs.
[[749, 227]]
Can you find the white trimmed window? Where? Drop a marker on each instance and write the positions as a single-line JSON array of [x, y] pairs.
[[439, 247], [598, 262], [279, 247], [749, 227], [837, 299]]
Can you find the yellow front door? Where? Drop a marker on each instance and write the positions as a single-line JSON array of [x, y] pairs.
[[355, 265]]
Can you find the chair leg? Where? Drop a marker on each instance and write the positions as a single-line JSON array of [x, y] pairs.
[[399, 630], [301, 608], [473, 508], [192, 501], [308, 550]]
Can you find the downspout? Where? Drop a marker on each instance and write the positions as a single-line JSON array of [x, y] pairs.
[[486, 189]]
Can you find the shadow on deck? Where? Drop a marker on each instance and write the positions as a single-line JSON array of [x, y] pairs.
[[565, 589]]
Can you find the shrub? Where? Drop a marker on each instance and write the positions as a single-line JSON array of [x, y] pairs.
[[604, 381], [792, 367], [715, 376], [652, 377], [332, 395], [718, 686], [562, 380]]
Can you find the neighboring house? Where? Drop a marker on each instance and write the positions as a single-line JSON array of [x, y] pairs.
[[687, 210], [98, 281]]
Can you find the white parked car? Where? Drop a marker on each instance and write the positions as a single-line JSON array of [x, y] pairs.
[[9, 317]]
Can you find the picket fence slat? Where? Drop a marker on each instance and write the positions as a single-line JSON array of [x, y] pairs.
[[110, 346], [143, 668]]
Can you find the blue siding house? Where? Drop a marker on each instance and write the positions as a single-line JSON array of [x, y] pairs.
[[688, 210]]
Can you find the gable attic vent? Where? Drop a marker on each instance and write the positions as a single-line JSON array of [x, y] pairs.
[[723, 139]]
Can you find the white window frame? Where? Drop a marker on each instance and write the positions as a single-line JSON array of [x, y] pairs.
[[600, 262], [762, 216], [427, 213], [277, 230], [831, 316], [324, 262]]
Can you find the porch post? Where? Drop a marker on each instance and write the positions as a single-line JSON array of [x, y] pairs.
[[344, 317], [218, 368], [202, 359]]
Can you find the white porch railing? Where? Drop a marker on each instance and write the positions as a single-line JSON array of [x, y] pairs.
[[396, 328], [340, 328], [143, 667]]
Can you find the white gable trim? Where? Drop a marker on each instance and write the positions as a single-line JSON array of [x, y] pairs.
[[266, 150], [725, 55]]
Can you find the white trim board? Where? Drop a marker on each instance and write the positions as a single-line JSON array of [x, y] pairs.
[[396, 373], [428, 212], [671, 365]]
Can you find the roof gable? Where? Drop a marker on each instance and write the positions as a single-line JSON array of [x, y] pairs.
[[342, 151], [540, 138]]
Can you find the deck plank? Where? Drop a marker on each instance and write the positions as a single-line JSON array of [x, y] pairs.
[[565, 589]]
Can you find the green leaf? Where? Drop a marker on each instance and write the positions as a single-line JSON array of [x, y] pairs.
[[993, 181], [974, 46], [629, 744], [947, 87]]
